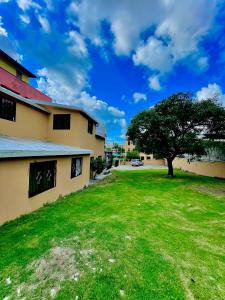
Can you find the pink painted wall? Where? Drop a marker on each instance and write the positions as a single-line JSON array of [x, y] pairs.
[[20, 87]]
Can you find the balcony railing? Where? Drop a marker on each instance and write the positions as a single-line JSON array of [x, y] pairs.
[[20, 87]]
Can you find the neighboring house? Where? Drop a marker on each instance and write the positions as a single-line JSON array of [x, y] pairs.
[[130, 146], [45, 148]]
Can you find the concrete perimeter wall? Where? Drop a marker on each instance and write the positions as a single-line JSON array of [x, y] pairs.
[[14, 185], [213, 169]]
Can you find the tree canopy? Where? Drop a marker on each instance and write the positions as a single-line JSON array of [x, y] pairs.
[[177, 125]]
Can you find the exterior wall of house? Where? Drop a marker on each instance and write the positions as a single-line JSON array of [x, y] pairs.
[[14, 185], [30, 123], [78, 135], [128, 146], [213, 169], [12, 69], [99, 148]]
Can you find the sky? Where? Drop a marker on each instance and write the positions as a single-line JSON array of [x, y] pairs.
[[115, 58]]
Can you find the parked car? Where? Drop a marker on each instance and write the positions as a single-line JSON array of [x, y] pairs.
[[136, 162]]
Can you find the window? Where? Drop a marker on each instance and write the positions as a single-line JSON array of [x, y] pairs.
[[128, 149], [142, 158], [19, 74], [42, 177], [76, 167], [129, 143], [148, 157], [90, 126], [61, 121], [7, 109]]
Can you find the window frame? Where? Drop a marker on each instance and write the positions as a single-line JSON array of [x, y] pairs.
[[74, 160], [42, 170], [19, 74], [90, 126], [57, 123], [7, 115]]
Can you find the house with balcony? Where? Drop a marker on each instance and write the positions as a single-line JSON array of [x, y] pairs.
[[45, 147]]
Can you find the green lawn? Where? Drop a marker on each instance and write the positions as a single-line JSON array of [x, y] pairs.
[[137, 235]]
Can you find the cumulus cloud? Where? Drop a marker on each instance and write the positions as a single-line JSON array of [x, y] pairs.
[[138, 97], [154, 83], [3, 31], [76, 44], [170, 33], [154, 55], [213, 90]]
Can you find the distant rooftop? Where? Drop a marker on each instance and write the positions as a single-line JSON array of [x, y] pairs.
[[16, 64], [16, 147]]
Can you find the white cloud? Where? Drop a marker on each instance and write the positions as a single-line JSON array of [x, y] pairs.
[[44, 23], [77, 44], [56, 86], [172, 34], [137, 97], [3, 31], [25, 19], [155, 55], [203, 63], [27, 4], [213, 90], [154, 83]]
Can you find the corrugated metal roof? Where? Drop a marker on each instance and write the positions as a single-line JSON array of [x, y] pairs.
[[69, 107], [23, 100], [16, 147]]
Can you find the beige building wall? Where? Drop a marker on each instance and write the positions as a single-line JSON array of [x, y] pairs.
[[99, 148], [14, 185], [30, 123], [128, 146], [213, 169], [4, 64], [78, 135]]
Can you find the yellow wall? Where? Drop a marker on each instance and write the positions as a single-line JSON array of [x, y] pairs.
[[11, 69], [78, 135], [30, 123], [99, 148], [213, 169], [128, 147], [14, 185]]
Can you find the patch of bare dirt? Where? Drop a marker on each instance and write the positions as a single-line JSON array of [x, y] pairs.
[[215, 191]]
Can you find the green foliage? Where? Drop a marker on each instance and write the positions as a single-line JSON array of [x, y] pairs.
[[133, 154], [177, 126], [97, 165]]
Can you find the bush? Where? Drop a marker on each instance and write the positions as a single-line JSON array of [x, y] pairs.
[[133, 154], [97, 165]]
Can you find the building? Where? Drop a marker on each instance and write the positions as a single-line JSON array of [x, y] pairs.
[[148, 159], [45, 148], [130, 146]]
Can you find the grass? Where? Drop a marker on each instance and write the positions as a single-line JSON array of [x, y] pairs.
[[137, 235]]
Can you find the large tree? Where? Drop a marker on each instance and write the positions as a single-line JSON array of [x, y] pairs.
[[177, 125]]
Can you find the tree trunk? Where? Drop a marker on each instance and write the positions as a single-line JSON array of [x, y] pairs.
[[170, 167]]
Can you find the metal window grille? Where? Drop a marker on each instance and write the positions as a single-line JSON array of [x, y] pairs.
[[61, 121], [42, 177], [7, 109], [76, 167]]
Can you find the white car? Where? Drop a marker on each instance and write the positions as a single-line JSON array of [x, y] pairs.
[[136, 163]]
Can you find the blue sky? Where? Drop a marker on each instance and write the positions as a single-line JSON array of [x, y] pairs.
[[115, 58]]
